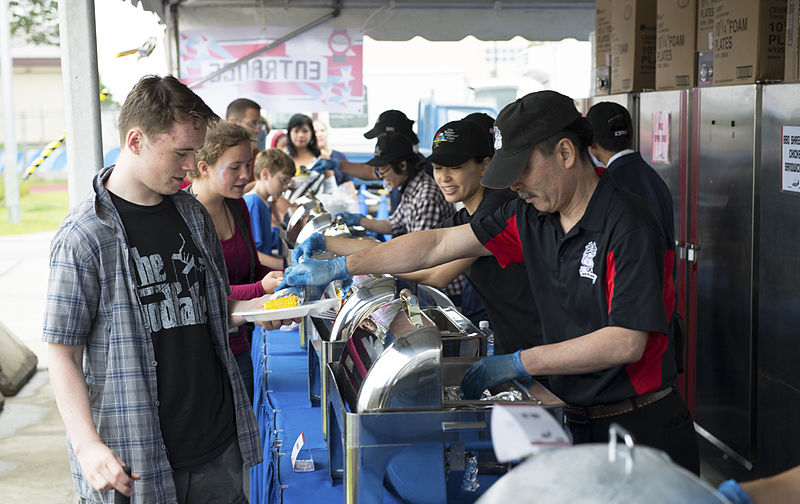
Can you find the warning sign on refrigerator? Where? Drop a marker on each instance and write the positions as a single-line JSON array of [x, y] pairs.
[[790, 158], [661, 137]]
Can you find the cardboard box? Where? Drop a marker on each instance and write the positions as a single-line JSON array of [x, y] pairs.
[[676, 30], [705, 24], [791, 69], [633, 45], [602, 33], [749, 41]]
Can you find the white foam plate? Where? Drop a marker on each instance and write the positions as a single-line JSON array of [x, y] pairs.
[[309, 308]]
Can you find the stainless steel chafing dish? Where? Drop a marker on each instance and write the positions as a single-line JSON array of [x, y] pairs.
[[369, 293], [310, 217], [328, 339], [387, 412]]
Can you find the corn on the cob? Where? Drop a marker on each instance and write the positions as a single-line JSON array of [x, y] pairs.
[[281, 302]]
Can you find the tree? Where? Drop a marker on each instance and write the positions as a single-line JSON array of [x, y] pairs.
[[35, 20]]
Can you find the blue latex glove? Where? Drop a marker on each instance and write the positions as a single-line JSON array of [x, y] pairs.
[[322, 165], [351, 219], [314, 243], [316, 273], [490, 372], [731, 490]]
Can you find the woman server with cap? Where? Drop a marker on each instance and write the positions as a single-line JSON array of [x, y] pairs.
[[461, 153]]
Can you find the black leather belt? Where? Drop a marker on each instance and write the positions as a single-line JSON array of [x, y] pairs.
[[578, 413]]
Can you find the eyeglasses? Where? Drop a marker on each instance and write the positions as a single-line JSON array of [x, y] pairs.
[[286, 182], [380, 173]]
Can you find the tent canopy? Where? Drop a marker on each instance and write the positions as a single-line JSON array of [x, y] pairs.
[[396, 19]]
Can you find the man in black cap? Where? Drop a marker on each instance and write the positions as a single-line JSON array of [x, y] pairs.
[[612, 129], [613, 138], [595, 258]]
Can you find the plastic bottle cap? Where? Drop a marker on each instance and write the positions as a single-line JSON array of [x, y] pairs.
[[483, 324]]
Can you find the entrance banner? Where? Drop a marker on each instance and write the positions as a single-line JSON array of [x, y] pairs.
[[320, 70]]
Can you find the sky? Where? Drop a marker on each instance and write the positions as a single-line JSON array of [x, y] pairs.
[[121, 26]]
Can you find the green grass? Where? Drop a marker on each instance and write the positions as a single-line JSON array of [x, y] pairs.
[[39, 211]]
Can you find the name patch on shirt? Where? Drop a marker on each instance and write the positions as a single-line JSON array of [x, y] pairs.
[[586, 269]]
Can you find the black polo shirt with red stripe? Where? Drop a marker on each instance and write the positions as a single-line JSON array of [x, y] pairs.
[[608, 270]]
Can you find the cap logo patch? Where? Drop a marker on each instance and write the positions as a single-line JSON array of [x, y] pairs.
[[498, 139], [389, 128], [447, 135]]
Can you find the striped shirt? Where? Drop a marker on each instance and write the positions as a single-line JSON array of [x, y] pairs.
[[422, 206], [92, 301]]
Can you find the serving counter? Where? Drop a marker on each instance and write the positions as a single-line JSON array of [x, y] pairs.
[[284, 410]]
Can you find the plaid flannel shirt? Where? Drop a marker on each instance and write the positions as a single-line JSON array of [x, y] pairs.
[[92, 301], [423, 206]]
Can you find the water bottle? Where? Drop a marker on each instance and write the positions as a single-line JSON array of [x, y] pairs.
[[483, 325], [362, 200]]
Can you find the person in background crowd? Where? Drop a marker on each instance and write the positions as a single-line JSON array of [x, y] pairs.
[[274, 171], [280, 140], [422, 205], [223, 169], [597, 263], [246, 113], [302, 143], [321, 130], [136, 321], [303, 147], [460, 157]]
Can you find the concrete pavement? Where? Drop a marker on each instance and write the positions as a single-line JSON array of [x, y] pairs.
[[33, 448]]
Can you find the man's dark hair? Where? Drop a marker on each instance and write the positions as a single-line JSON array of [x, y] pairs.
[[298, 120], [579, 132], [615, 144], [156, 103], [238, 107]]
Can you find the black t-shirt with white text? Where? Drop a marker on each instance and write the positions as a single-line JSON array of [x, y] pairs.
[[195, 399]]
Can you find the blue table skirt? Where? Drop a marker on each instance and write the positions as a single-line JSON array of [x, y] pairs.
[[283, 410]]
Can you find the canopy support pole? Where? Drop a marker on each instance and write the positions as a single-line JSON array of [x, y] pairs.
[[81, 90]]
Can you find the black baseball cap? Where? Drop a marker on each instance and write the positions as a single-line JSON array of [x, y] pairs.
[[393, 121], [459, 141], [610, 121], [487, 123], [391, 147], [485, 120], [519, 127]]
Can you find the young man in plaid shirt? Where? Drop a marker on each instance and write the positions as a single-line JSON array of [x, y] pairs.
[[137, 318]]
